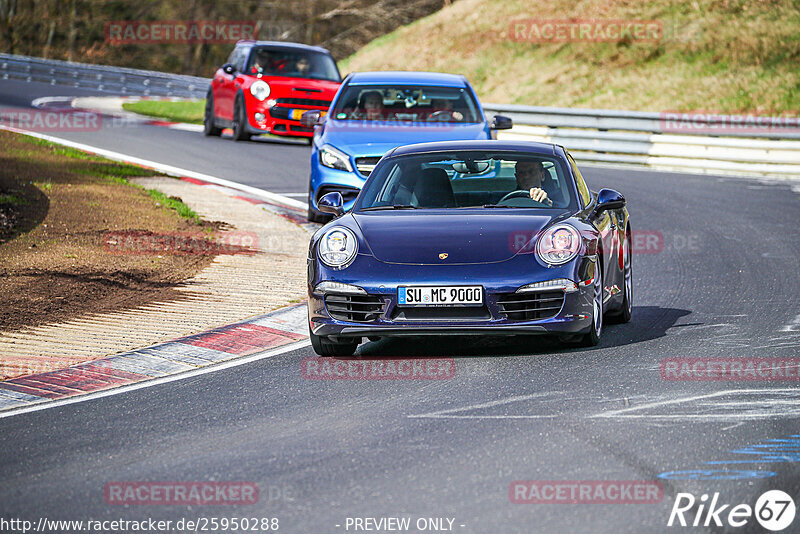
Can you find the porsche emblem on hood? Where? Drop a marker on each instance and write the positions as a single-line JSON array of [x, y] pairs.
[[443, 255]]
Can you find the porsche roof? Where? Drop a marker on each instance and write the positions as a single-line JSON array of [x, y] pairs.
[[486, 144]]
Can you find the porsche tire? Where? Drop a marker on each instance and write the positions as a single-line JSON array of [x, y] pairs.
[[323, 346]]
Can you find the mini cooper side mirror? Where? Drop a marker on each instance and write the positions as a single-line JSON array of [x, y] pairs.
[[229, 68], [332, 203], [608, 199], [501, 122], [309, 119]]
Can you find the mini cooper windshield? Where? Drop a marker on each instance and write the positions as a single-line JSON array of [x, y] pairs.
[[269, 61], [407, 103], [468, 180]]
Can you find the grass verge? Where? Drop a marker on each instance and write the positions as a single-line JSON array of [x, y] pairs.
[[715, 55], [190, 111], [57, 207]]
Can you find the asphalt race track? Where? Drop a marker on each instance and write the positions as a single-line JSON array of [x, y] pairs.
[[718, 279]]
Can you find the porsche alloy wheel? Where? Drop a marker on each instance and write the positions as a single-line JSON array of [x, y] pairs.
[[592, 338], [623, 315]]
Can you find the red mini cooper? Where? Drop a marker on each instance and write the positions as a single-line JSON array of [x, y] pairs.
[[266, 86]]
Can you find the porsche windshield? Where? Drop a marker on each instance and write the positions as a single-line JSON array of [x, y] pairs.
[[468, 180], [407, 103]]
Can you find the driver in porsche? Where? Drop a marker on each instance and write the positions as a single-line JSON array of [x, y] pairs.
[[531, 177]]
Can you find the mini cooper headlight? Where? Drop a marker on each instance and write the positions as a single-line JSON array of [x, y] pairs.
[[335, 159], [559, 244], [338, 247], [260, 89]]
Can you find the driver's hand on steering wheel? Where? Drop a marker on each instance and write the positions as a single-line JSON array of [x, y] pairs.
[[539, 195]]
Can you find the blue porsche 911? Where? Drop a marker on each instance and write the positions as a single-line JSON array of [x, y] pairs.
[[374, 112], [470, 237]]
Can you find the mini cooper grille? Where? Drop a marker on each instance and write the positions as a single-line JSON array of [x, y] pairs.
[[304, 102], [532, 306], [365, 165], [355, 308]]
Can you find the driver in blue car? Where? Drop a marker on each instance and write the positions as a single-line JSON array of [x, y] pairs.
[[531, 177]]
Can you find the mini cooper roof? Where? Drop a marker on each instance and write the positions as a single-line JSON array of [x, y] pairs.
[[283, 44]]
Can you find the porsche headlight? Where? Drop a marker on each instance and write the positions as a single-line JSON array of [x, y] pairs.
[[335, 159], [559, 244], [337, 247], [260, 89]]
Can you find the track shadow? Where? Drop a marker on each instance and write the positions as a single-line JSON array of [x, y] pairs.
[[647, 323]]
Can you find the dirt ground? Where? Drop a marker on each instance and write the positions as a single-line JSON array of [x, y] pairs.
[[57, 210]]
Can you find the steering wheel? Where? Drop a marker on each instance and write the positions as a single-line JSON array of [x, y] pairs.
[[522, 193], [441, 113]]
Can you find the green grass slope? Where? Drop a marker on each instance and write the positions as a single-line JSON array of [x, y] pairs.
[[714, 55]]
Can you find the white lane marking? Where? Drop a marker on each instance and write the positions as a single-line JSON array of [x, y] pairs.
[[735, 425], [794, 326], [45, 100], [448, 413], [166, 169], [185, 126], [158, 381], [659, 404], [751, 409]]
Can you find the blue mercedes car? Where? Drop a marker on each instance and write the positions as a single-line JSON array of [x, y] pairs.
[[470, 237], [374, 112]]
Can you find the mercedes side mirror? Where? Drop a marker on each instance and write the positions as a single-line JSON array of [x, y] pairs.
[[332, 203], [501, 122], [309, 119]]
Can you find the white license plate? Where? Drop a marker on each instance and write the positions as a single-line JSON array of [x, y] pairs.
[[439, 296]]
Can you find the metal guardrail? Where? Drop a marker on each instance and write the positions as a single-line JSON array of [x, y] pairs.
[[638, 121], [592, 135], [101, 77], [641, 138]]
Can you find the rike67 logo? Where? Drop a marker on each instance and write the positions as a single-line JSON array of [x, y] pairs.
[[774, 510]]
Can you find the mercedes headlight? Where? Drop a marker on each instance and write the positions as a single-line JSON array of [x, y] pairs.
[[337, 248], [335, 159], [559, 244], [260, 89]]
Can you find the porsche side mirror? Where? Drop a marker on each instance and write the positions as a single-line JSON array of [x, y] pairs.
[[332, 203], [501, 122], [229, 68], [608, 199], [309, 119]]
